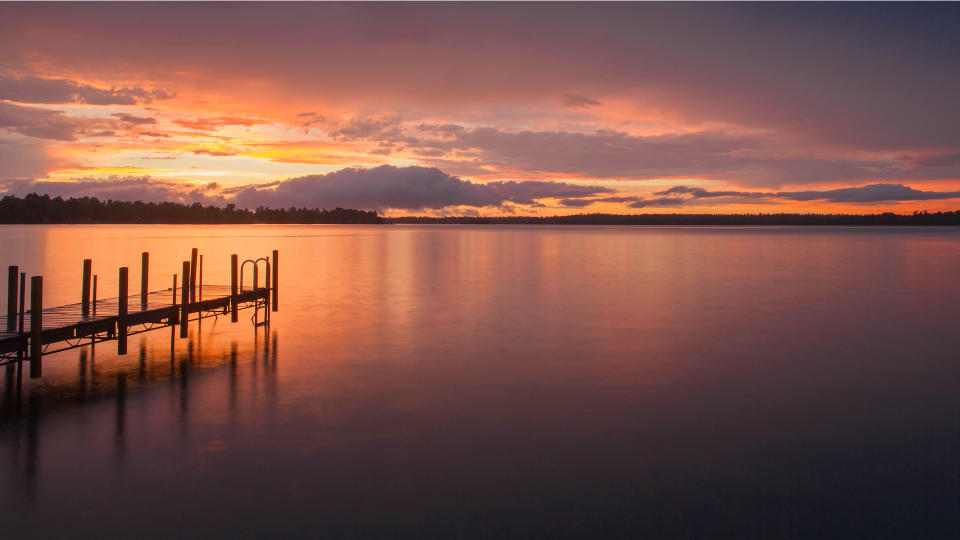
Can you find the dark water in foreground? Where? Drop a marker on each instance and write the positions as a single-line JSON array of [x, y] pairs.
[[457, 381]]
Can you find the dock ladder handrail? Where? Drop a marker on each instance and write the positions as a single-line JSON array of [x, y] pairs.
[[256, 265]]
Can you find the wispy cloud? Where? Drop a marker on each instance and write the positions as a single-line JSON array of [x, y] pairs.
[[210, 124], [63, 91], [134, 120], [42, 123], [121, 188], [576, 101], [688, 195]]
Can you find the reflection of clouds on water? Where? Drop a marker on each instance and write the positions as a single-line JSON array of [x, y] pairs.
[[557, 379]]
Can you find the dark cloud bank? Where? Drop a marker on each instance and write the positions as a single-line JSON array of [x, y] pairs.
[[421, 188], [746, 159], [408, 188], [690, 196]]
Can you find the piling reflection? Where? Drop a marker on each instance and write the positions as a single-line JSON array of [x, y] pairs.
[[119, 432], [192, 371], [82, 376], [32, 439], [8, 385]]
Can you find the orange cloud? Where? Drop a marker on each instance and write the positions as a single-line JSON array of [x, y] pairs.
[[211, 124]]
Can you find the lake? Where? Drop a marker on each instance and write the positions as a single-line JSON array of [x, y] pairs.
[[504, 381]]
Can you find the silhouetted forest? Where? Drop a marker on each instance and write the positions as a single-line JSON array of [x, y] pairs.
[[35, 208], [917, 218]]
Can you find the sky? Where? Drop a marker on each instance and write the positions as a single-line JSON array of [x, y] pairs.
[[486, 108]]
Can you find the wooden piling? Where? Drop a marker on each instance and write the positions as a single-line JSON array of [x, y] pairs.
[[184, 299], [12, 314], [256, 302], [266, 299], [174, 302], [94, 295], [274, 271], [23, 301], [85, 288], [200, 286], [193, 275], [144, 279], [122, 312], [233, 288], [21, 351], [12, 297], [36, 326]]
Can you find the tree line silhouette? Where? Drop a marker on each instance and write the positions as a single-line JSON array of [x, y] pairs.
[[886, 218], [35, 208]]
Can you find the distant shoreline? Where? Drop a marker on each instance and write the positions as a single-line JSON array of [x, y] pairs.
[[44, 210], [886, 219]]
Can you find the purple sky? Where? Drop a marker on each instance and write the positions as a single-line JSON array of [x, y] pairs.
[[499, 108]]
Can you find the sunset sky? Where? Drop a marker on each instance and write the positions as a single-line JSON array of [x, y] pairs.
[[465, 109]]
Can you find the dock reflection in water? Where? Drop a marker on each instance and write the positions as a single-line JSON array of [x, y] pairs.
[[108, 396]]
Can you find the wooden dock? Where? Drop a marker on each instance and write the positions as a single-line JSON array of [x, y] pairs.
[[26, 335]]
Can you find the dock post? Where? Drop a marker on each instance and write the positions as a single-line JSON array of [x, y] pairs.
[[36, 326], [122, 315], [256, 297], [200, 286], [184, 299], [94, 295], [274, 269], [21, 351], [23, 301], [233, 288], [85, 289], [144, 279], [12, 315], [266, 298], [193, 275], [12, 298]]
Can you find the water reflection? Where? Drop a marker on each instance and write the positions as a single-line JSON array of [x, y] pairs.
[[121, 421], [190, 370], [516, 382]]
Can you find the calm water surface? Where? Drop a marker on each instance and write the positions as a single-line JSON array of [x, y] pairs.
[[458, 381]]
